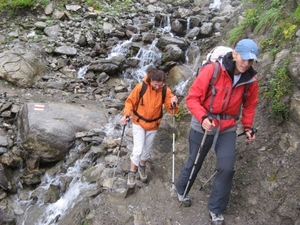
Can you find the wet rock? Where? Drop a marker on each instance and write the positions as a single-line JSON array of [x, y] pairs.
[[6, 179], [33, 163], [52, 194]]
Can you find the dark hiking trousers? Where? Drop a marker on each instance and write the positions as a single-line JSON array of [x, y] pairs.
[[225, 153]]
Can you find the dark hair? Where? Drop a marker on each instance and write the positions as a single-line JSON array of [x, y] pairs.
[[156, 75]]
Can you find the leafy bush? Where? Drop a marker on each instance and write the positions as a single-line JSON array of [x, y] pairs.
[[280, 90], [270, 18], [17, 3], [251, 19], [267, 20], [13, 4]]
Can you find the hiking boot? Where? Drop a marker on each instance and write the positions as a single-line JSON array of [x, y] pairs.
[[185, 201], [142, 173], [216, 219], [131, 180]]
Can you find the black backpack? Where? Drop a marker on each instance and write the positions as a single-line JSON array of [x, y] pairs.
[[142, 92]]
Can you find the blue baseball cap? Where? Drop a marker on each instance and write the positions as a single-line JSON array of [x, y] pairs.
[[247, 48]]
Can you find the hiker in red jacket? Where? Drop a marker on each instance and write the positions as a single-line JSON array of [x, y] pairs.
[[146, 112], [216, 112]]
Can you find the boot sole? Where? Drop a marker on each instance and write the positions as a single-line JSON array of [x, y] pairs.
[[145, 180], [186, 204]]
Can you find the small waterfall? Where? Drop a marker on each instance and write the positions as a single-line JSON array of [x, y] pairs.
[[121, 48], [215, 5], [82, 71], [165, 25], [181, 87], [51, 213], [75, 191], [148, 57], [188, 24]]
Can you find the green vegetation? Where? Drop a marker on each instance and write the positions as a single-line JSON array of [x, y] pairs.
[[251, 19], [180, 114], [270, 18], [38, 32], [280, 90], [111, 6], [278, 23], [21, 3], [85, 223], [267, 20], [272, 177]]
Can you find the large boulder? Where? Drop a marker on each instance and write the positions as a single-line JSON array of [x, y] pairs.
[[48, 130], [21, 65]]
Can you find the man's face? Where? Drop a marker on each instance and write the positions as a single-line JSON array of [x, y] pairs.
[[240, 64]]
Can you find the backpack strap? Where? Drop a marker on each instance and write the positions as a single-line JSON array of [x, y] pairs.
[[142, 92], [164, 92], [212, 85]]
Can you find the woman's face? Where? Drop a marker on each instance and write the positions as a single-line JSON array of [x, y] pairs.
[[156, 85], [241, 65]]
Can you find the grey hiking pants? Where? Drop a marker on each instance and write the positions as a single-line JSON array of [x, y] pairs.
[[225, 153]]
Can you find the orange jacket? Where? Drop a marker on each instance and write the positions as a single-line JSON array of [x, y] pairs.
[[151, 108]]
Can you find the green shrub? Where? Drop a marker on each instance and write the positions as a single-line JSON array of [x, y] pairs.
[[13, 4], [267, 43], [235, 34], [267, 20], [251, 17], [280, 91], [18, 3], [295, 17], [180, 114]]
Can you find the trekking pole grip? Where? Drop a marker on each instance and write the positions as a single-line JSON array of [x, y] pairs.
[[173, 105], [253, 131]]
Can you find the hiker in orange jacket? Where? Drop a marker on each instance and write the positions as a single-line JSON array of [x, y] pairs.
[[215, 115], [146, 113]]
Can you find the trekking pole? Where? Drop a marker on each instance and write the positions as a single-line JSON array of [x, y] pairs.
[[208, 180], [173, 164], [195, 162], [118, 156], [253, 131]]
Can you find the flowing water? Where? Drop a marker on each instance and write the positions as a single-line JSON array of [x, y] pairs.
[[148, 57], [76, 190], [215, 5]]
